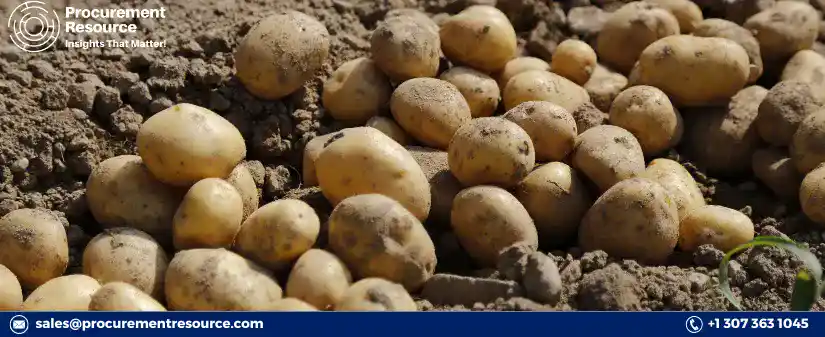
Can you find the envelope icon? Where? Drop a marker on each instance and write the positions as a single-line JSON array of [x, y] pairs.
[[18, 324]]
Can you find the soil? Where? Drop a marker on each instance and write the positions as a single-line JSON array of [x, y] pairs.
[[64, 110]]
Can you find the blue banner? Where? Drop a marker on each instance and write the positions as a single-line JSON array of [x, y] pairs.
[[424, 324]]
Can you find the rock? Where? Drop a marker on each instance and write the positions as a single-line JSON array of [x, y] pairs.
[[512, 260], [594, 260], [610, 288], [448, 289], [541, 280]]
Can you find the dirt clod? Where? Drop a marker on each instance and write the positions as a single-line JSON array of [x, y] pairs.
[[447, 289]]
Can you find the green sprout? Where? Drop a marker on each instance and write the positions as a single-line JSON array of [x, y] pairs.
[[808, 286]]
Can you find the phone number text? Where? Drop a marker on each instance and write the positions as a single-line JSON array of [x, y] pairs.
[[759, 323]]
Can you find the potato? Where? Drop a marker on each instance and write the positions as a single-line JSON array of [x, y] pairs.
[[430, 110], [806, 66], [404, 48], [695, 71], [722, 140], [603, 86], [487, 219], [551, 128], [414, 14], [811, 194], [575, 60], [556, 200], [588, 116], [784, 108], [121, 192], [731, 31], [537, 85], [64, 293], [629, 30], [120, 296], [608, 154], [356, 91], [687, 13], [218, 280], [375, 294], [806, 149], [291, 304], [634, 219], [241, 178], [519, 65], [647, 113], [278, 233], [390, 128], [312, 151], [280, 53], [363, 161], [443, 185], [491, 150], [34, 246], [318, 278], [377, 237], [739, 11], [784, 29], [719, 226], [126, 255], [209, 216], [678, 182], [186, 143], [479, 90], [11, 294], [776, 170], [480, 37]]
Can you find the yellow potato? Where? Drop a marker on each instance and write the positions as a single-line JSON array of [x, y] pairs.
[[65, 293], [375, 294], [519, 65], [11, 294], [806, 149], [491, 150], [278, 233], [629, 30], [812, 193], [241, 178], [806, 66], [479, 90], [537, 85], [390, 128], [414, 14], [209, 216], [291, 304], [575, 60], [722, 227], [687, 13], [34, 246], [784, 29], [647, 113], [608, 154], [678, 182], [404, 48], [312, 151], [732, 31], [480, 37], [784, 108], [356, 91], [119, 296], [430, 110], [776, 170], [551, 128], [318, 278], [126, 255]]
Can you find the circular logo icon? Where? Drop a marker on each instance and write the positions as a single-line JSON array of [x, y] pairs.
[[33, 28], [694, 324], [19, 325]]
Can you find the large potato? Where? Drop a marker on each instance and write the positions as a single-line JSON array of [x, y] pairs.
[[538, 85], [186, 143], [119, 296], [608, 154], [678, 182], [806, 66], [807, 148], [278, 233], [375, 294], [209, 216], [776, 170], [414, 14], [390, 128], [551, 128], [480, 90], [603, 87], [11, 294], [404, 48], [34, 246], [729, 30], [575, 60], [218, 280], [291, 304], [480, 37], [636, 219], [687, 13], [695, 71], [784, 108], [443, 185], [65, 293], [491, 150], [280, 53], [121, 192], [430, 110], [556, 199], [784, 29], [364, 160], [812, 194], [356, 91], [629, 30], [126, 255], [377, 237], [519, 65], [487, 219], [721, 227], [318, 278], [647, 113], [241, 178]]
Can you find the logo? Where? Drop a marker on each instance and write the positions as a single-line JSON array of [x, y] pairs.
[[33, 28], [19, 325], [693, 324]]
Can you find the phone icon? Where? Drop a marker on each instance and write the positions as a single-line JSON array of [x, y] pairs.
[[693, 324]]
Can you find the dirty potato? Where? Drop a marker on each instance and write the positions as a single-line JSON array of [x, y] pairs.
[[11, 294], [120, 296], [677, 181], [807, 66], [126, 255], [807, 147], [480, 37], [64, 293], [647, 113], [687, 13], [312, 151], [551, 128], [376, 294], [404, 48], [34, 246], [629, 30], [479, 90], [784, 29], [430, 110], [731, 31], [414, 14], [390, 128], [209, 216], [608, 154], [318, 278], [241, 178], [537, 85], [784, 108], [278, 233], [721, 227], [519, 65], [575, 60], [356, 91], [775, 168], [812, 193], [491, 150], [603, 87]]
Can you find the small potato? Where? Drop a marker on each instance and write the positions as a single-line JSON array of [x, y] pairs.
[[647, 113], [209, 216], [678, 182], [318, 278], [443, 185], [121, 192], [364, 160], [588, 116], [551, 128], [519, 65], [608, 154], [186, 143], [784, 108], [686, 12], [291, 304], [603, 87], [430, 110], [784, 29], [537, 85], [629, 30], [812, 193], [480, 37], [695, 71], [776, 170], [634, 219], [278, 233], [356, 91], [34, 246], [11, 294], [404, 48], [218, 280], [377, 237], [575, 60], [241, 178], [491, 150], [119, 296], [719, 226], [487, 219], [731, 31], [64, 293], [280, 53], [414, 14], [807, 148], [480, 90], [556, 199], [126, 255], [807, 66], [390, 128], [375, 294]]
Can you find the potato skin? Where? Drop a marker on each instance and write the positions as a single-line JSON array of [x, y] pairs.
[[414, 14], [318, 278], [575, 60], [218, 280], [11, 295], [806, 66], [209, 216], [647, 113], [687, 13], [377, 237], [34, 246], [491, 150], [677, 181], [291, 304], [603, 87], [784, 29], [806, 149], [629, 30], [480, 37], [551, 128], [356, 91], [390, 128], [519, 65], [375, 294], [127, 255], [241, 178], [636, 218], [487, 219], [278, 233], [364, 160], [784, 108], [537, 85], [729, 30], [119, 296], [186, 143], [404, 48], [430, 110], [722, 227], [608, 154], [776, 170], [479, 90], [811, 194], [64, 293], [312, 150], [280, 53]]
